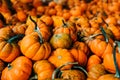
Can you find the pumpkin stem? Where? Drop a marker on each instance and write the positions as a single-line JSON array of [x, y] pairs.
[[9, 66], [104, 20], [37, 30], [64, 24], [104, 34], [15, 38], [118, 43], [81, 68], [115, 61], [35, 77], [56, 71], [91, 37]]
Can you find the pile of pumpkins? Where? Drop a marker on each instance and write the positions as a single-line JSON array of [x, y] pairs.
[[59, 39]]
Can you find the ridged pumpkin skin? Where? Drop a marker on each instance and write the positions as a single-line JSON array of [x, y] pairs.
[[19, 69], [96, 71], [100, 47], [31, 47], [9, 50], [44, 69], [73, 75], [81, 46], [44, 29], [93, 60], [61, 56], [68, 28], [108, 62], [115, 30], [79, 56], [61, 40]]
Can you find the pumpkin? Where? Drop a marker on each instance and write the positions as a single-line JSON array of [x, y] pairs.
[[75, 73], [19, 69], [19, 28], [57, 21], [101, 46], [43, 69], [9, 48], [93, 60], [68, 28], [61, 40], [47, 20], [114, 65], [115, 30], [44, 29], [79, 56], [96, 71], [108, 61], [34, 47], [61, 56], [4, 11], [82, 46]]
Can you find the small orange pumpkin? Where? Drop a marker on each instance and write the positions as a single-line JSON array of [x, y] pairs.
[[61, 56], [108, 61], [96, 71], [9, 48], [93, 60], [44, 69], [114, 66], [34, 47], [43, 28], [79, 56], [68, 28], [75, 73], [19, 69]]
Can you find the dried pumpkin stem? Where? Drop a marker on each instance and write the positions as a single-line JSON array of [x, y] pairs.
[[104, 20], [104, 34], [118, 43], [37, 30], [9, 66], [64, 24], [115, 61], [91, 37], [58, 69], [35, 77], [15, 38], [82, 69]]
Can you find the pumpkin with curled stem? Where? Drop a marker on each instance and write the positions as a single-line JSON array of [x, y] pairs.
[[19, 69], [43, 70], [33, 45], [9, 48], [100, 46], [43, 28], [108, 60], [75, 73], [113, 65], [61, 40]]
